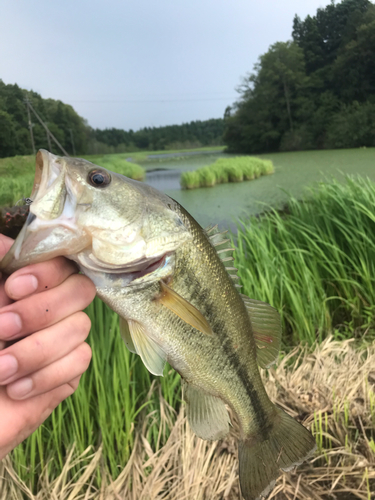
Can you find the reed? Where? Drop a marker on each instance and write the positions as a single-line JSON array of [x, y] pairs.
[[316, 265], [226, 170]]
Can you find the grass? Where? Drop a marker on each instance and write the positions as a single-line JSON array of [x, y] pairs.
[[225, 170], [316, 265], [313, 385]]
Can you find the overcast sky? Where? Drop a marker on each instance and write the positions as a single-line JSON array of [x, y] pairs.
[[137, 63]]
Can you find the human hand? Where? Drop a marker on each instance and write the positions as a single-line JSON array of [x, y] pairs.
[[42, 343]]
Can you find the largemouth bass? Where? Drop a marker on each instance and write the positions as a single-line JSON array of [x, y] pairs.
[[173, 286]]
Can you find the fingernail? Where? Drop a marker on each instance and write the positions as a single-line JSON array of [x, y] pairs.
[[22, 286], [10, 325], [8, 367], [21, 388]]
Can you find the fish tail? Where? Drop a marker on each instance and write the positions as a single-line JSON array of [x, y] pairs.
[[288, 444]]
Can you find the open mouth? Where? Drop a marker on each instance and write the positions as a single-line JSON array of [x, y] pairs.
[[125, 273]]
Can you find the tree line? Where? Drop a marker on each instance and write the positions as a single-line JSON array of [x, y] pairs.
[[78, 138], [316, 91]]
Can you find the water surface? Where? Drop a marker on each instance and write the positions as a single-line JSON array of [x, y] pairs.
[[294, 172]]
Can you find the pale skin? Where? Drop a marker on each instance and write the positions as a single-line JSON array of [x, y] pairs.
[[43, 352]]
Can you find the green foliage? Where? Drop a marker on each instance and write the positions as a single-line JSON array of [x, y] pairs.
[[227, 170], [302, 92], [316, 265], [61, 119], [186, 136], [190, 180], [353, 126]]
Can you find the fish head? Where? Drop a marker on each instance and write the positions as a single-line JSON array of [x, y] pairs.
[[115, 228]]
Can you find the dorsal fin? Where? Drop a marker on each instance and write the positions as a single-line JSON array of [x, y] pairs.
[[219, 240], [266, 325]]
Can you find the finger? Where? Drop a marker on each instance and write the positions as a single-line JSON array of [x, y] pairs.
[[54, 375], [39, 311], [39, 277], [43, 348]]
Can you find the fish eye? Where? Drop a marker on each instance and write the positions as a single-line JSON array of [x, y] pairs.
[[99, 178]]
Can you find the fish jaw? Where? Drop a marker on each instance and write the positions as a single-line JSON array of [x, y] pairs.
[[51, 227]]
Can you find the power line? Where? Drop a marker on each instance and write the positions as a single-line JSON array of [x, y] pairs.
[[49, 133], [153, 100], [30, 124]]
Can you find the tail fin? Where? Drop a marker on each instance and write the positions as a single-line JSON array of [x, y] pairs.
[[288, 445]]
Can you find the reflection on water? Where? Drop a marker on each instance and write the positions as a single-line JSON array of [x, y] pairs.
[[163, 179]]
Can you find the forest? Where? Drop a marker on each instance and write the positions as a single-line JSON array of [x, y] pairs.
[[314, 92], [78, 138]]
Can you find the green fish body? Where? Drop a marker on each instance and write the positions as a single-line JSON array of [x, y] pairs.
[[171, 283]]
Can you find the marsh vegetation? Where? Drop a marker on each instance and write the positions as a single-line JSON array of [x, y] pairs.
[[224, 170]]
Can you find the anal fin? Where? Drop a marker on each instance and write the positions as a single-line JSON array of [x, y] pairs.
[[206, 414]]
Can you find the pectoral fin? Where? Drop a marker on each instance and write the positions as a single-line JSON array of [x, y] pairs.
[[206, 414], [150, 352], [186, 311]]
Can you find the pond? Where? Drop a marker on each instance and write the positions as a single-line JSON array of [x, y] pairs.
[[224, 204]]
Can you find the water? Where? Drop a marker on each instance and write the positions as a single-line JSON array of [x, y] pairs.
[[226, 203], [163, 179]]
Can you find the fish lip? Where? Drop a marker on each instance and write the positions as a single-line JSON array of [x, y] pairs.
[[41, 172]]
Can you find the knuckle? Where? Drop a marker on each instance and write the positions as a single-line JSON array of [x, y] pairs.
[[83, 288], [74, 383]]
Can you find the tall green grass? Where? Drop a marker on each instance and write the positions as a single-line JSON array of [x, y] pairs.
[[315, 264], [225, 170]]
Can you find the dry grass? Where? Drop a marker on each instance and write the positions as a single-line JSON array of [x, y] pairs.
[[331, 389]]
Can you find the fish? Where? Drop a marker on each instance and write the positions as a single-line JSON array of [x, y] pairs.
[[175, 289]]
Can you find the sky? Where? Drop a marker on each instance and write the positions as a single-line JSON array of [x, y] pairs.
[[141, 63]]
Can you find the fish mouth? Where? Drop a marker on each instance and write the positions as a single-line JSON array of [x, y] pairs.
[[135, 273], [50, 228]]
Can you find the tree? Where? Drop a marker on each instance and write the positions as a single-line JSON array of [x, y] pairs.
[[267, 107]]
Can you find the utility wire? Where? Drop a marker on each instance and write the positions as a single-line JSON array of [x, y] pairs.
[[47, 129]]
